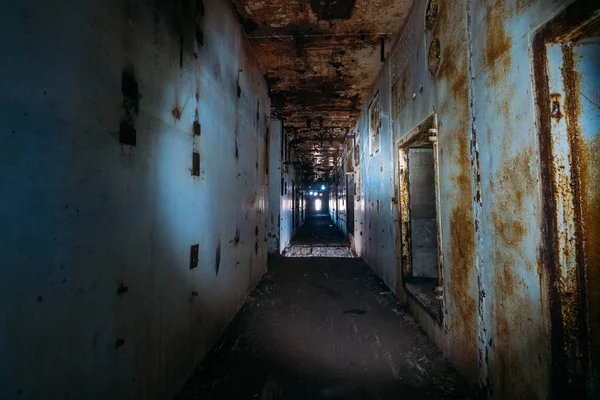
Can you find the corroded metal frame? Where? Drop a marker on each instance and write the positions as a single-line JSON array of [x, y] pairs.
[[565, 266], [424, 135]]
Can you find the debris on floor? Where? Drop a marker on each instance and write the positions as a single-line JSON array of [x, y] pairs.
[[324, 328]]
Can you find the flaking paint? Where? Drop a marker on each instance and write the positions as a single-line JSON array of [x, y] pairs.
[[497, 294]]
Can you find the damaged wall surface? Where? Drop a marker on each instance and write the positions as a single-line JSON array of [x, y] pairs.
[[320, 58], [462, 77], [134, 138]]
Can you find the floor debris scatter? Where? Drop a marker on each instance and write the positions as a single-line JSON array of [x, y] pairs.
[[323, 328]]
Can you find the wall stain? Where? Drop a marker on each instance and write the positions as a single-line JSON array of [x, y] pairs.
[[459, 253], [176, 113], [497, 42], [522, 5], [590, 177], [512, 307], [461, 260]]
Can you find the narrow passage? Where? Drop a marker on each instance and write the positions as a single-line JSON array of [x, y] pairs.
[[323, 328]]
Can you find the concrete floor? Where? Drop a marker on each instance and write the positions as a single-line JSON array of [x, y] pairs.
[[323, 328], [319, 229]]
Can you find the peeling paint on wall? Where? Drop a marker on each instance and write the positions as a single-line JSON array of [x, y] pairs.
[[478, 80]]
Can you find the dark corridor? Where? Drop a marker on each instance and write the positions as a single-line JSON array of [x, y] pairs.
[[294, 199], [323, 328]]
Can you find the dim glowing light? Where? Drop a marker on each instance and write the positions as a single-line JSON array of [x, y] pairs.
[[318, 205]]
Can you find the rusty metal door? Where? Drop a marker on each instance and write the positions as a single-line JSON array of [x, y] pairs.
[[569, 107]]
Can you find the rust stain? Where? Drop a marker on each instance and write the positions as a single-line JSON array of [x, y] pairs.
[[590, 177], [511, 232], [462, 253], [566, 292], [460, 259], [579, 317], [555, 112], [431, 15], [511, 325], [514, 181], [497, 42], [522, 5], [433, 57], [512, 308], [462, 246], [176, 113], [454, 69]]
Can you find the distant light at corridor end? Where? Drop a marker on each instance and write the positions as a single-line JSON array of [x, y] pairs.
[[322, 187], [318, 205]]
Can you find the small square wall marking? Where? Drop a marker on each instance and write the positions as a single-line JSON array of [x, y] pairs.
[[195, 164], [194, 256], [127, 133]]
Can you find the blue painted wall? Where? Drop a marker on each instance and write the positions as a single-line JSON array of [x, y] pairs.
[[495, 299], [97, 299]]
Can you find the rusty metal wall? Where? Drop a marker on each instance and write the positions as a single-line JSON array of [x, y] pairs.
[[374, 227], [97, 298], [470, 66]]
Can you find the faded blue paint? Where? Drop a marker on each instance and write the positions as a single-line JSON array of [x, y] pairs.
[[96, 296], [495, 299], [587, 59]]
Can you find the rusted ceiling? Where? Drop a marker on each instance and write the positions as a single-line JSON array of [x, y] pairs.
[[320, 58]]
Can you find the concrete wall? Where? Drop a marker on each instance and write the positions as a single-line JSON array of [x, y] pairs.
[[97, 298], [479, 85]]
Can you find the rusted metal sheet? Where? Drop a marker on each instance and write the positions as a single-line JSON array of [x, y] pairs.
[[496, 284], [567, 55]]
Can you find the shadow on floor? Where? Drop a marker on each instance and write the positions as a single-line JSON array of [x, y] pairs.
[[319, 229], [323, 328]]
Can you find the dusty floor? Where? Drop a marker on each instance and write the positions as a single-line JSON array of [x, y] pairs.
[[323, 328]]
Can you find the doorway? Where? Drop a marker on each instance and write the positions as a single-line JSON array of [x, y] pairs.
[[419, 209], [567, 80]]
